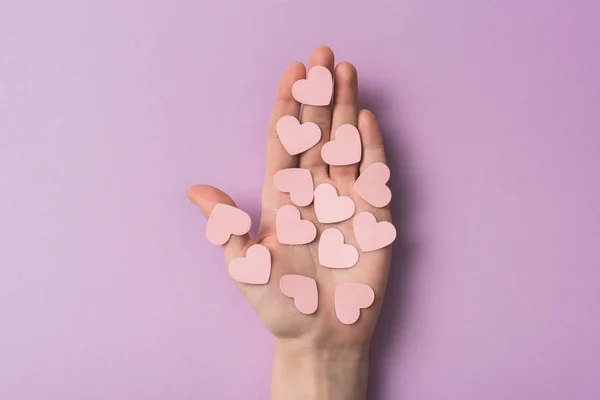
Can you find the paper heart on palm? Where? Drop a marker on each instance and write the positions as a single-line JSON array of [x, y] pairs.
[[317, 89], [333, 252], [254, 268], [331, 208], [345, 148], [350, 298], [291, 229], [303, 290], [371, 185], [224, 221], [370, 234], [298, 182], [296, 138]]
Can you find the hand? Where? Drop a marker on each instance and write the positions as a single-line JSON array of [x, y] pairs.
[[316, 356]]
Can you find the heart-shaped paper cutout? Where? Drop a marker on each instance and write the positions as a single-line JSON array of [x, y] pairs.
[[317, 89], [345, 148], [330, 207], [303, 290], [333, 252], [291, 229], [298, 182], [371, 185], [224, 221], [255, 268], [370, 234], [350, 298], [296, 138]]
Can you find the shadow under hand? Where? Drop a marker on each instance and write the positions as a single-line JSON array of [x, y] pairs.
[[388, 333]]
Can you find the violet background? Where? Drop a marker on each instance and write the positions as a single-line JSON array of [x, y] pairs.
[[109, 110]]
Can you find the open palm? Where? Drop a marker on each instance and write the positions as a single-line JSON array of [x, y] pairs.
[[322, 329]]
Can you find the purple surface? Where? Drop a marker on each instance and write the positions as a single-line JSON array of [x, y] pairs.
[[109, 110]]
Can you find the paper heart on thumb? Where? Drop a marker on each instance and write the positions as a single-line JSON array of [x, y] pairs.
[[371, 185], [370, 234], [224, 221]]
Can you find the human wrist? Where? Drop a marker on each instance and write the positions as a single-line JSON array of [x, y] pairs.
[[307, 372]]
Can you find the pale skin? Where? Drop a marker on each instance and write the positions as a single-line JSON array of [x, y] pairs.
[[316, 356]]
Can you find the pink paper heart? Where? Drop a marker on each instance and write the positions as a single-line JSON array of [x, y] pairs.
[[330, 207], [370, 234], [224, 221], [291, 229], [255, 268], [345, 148], [297, 138], [350, 298], [371, 185], [333, 252], [298, 182], [317, 89], [303, 290]]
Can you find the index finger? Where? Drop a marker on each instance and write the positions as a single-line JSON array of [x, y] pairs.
[[285, 104]]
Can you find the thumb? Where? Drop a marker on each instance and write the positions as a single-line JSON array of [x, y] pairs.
[[206, 197]]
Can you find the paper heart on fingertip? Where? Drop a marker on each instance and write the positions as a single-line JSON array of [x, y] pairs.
[[331, 208], [224, 221], [291, 229], [254, 268], [296, 138], [316, 89], [345, 148], [333, 252], [350, 298], [371, 185], [370, 234], [303, 290], [298, 182]]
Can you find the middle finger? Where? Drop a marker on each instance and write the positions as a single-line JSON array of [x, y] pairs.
[[321, 116]]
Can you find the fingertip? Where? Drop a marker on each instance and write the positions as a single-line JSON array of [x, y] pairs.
[[346, 91], [198, 191], [366, 116], [346, 74], [323, 50], [192, 190], [291, 74], [368, 125], [206, 197], [322, 55], [372, 140], [296, 67], [196, 194]]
